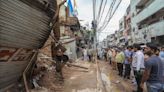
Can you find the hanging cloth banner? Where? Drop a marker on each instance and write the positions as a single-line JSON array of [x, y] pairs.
[[71, 10], [75, 8], [75, 5]]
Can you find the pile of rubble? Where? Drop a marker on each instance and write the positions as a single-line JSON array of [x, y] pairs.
[[44, 76]]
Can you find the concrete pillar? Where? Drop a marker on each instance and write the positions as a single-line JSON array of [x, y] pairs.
[[62, 17]]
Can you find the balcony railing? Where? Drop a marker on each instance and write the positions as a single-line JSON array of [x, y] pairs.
[[154, 30], [141, 3], [150, 10]]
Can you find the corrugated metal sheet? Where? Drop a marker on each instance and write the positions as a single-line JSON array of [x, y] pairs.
[[22, 26], [9, 75], [10, 72]]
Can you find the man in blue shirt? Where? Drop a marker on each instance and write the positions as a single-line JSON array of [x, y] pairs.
[[161, 54], [128, 60], [154, 73]]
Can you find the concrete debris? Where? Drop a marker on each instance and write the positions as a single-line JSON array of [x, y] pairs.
[[87, 90], [34, 81], [75, 65], [45, 78], [74, 79], [41, 89], [51, 68], [106, 80], [117, 82]]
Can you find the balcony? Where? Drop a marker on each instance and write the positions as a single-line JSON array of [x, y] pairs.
[[141, 3], [157, 29], [153, 30], [149, 10]]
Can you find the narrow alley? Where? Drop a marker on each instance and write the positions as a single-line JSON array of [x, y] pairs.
[[85, 77], [81, 45]]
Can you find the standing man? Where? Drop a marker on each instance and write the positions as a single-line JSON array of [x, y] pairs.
[[128, 60], [114, 65], [154, 71], [105, 54], [60, 59], [85, 54], [138, 66], [161, 54], [120, 58], [89, 54], [109, 55]]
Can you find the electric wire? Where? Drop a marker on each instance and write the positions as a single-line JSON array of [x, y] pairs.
[[111, 16]]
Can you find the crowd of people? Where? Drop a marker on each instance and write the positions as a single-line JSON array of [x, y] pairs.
[[89, 54], [145, 63]]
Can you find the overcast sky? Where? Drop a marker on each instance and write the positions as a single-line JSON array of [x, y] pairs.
[[85, 13]]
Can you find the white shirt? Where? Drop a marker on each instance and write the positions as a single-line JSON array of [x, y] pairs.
[[109, 53], [85, 52], [138, 60]]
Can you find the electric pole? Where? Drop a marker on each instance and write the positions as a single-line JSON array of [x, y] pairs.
[[94, 24]]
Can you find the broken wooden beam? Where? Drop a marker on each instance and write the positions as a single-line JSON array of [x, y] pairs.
[[69, 64]]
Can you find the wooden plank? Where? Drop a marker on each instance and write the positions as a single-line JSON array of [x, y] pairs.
[[25, 71], [15, 54], [5, 52], [77, 66]]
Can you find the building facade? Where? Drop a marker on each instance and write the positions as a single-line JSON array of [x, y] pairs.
[[147, 21], [127, 32]]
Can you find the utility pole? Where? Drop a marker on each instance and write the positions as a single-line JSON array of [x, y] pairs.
[[94, 24]]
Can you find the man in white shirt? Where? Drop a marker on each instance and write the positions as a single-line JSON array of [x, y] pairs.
[[85, 55], [138, 65], [109, 56]]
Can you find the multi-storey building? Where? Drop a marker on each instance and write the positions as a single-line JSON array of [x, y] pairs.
[[121, 31], [110, 40], [127, 32], [147, 21]]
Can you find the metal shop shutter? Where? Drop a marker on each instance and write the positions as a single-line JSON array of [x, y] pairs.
[[22, 26]]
